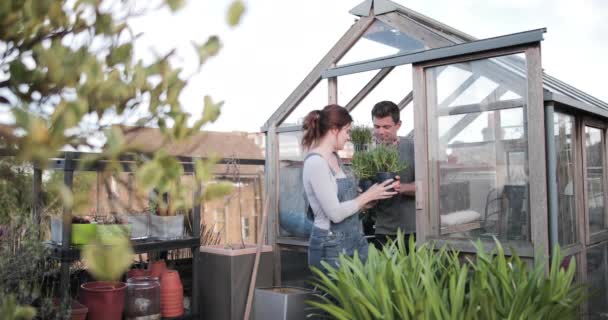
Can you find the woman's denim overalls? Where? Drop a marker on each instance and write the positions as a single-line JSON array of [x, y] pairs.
[[346, 236]]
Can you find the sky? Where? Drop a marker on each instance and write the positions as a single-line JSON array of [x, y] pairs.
[[277, 43]]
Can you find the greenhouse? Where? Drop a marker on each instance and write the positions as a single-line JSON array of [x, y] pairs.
[[120, 204], [522, 153]]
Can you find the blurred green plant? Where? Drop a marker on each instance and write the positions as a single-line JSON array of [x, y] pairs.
[[15, 189], [363, 166], [437, 284], [23, 269], [11, 311], [53, 189], [67, 69], [361, 136]]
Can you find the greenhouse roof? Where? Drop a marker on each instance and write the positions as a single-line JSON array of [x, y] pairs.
[[413, 33]]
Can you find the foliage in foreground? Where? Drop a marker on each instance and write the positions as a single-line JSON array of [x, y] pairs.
[[436, 284], [69, 76], [23, 271]]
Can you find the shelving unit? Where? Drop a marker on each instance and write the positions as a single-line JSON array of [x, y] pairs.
[[66, 253]]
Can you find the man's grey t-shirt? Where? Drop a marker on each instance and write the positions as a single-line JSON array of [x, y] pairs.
[[400, 210]]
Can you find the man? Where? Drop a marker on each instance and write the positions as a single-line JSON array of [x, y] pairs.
[[400, 211]]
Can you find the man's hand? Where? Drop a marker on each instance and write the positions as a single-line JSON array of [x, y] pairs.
[[408, 189], [397, 184]]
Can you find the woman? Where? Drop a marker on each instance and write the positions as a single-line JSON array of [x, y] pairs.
[[331, 192]]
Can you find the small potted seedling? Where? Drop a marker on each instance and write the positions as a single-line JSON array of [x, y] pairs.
[[363, 169], [386, 163], [361, 137], [377, 165]]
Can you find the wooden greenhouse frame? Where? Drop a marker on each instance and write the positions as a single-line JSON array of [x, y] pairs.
[[512, 60]]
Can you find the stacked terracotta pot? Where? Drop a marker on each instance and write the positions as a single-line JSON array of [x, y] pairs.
[[156, 268], [137, 273], [171, 294]]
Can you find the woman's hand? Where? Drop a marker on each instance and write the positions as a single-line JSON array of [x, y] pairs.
[[377, 191]]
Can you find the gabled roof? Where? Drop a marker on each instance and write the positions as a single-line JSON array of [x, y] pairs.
[[553, 86], [203, 144], [433, 34]]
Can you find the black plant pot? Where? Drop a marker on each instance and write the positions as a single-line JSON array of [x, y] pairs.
[[383, 176], [365, 184], [359, 147]]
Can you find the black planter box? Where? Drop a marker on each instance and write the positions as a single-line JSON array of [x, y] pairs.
[[224, 279]]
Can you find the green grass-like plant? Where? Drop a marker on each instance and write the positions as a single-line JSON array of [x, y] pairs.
[[380, 159], [386, 159], [438, 284], [361, 135], [363, 166]]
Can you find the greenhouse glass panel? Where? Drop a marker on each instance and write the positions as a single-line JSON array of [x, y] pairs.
[[597, 277], [349, 85], [394, 87], [478, 150], [564, 155], [316, 99], [381, 40], [595, 178], [292, 214]]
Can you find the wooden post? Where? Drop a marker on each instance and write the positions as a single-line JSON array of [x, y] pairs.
[[421, 144], [272, 191], [332, 89], [537, 171], [256, 262]]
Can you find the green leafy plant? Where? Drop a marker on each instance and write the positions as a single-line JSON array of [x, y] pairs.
[[363, 166], [361, 137], [438, 284], [366, 164], [386, 159]]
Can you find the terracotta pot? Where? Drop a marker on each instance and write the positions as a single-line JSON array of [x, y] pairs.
[[104, 299], [171, 294], [79, 311], [137, 273], [157, 268]]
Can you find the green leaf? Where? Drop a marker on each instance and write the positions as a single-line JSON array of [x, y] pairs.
[[208, 49], [175, 5], [115, 140], [235, 12], [104, 24], [108, 257], [211, 110], [120, 54]]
